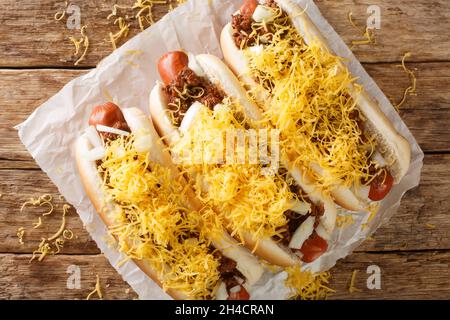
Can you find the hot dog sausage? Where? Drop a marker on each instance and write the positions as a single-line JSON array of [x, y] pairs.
[[109, 115], [170, 65], [380, 186], [248, 7], [313, 248]]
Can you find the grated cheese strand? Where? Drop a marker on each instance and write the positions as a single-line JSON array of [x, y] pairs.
[[97, 290], [412, 88]]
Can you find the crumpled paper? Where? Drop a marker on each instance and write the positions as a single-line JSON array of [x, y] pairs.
[[127, 76]]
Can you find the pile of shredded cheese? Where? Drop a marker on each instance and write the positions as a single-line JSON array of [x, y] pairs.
[[307, 285], [154, 225], [311, 105], [249, 200]]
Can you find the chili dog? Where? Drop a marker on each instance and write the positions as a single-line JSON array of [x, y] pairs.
[[157, 222], [331, 129], [199, 95]]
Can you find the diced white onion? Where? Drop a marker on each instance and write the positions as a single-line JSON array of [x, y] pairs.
[[143, 143], [189, 117], [302, 233], [256, 49], [321, 232], [96, 154], [94, 137], [194, 66], [263, 13], [239, 280], [103, 128], [235, 289], [301, 207], [362, 192], [378, 158], [222, 293]]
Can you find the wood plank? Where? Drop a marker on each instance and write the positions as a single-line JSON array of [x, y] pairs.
[[426, 114], [423, 275], [405, 27], [18, 186], [48, 279], [18, 102], [42, 41], [421, 223]]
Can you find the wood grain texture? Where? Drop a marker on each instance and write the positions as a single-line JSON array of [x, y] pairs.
[[421, 223], [412, 249], [403, 276], [18, 186], [426, 114], [42, 41]]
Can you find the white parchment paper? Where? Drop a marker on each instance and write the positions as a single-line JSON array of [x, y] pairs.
[[128, 75]]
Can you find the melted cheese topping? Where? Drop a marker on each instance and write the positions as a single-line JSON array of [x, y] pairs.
[[310, 104], [153, 225], [308, 285], [249, 200]]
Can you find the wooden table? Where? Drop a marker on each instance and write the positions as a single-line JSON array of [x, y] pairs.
[[412, 250]]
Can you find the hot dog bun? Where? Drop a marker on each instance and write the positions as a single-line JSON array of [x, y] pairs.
[[221, 76], [393, 147], [137, 121]]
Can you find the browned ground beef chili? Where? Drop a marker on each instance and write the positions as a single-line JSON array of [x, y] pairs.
[[198, 88], [228, 271], [242, 27], [295, 220]]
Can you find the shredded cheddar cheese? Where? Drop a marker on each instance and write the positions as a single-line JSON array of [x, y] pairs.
[[351, 287], [412, 88], [124, 28], [83, 42], [308, 285], [45, 199], [249, 200], [373, 210], [37, 224], [310, 103], [368, 34], [97, 290], [54, 243], [152, 223], [343, 221], [63, 224], [20, 234]]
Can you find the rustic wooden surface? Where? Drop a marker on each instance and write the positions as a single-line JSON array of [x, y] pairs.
[[412, 250]]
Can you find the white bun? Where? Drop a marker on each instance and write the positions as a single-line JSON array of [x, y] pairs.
[[103, 204], [394, 148], [139, 124]]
